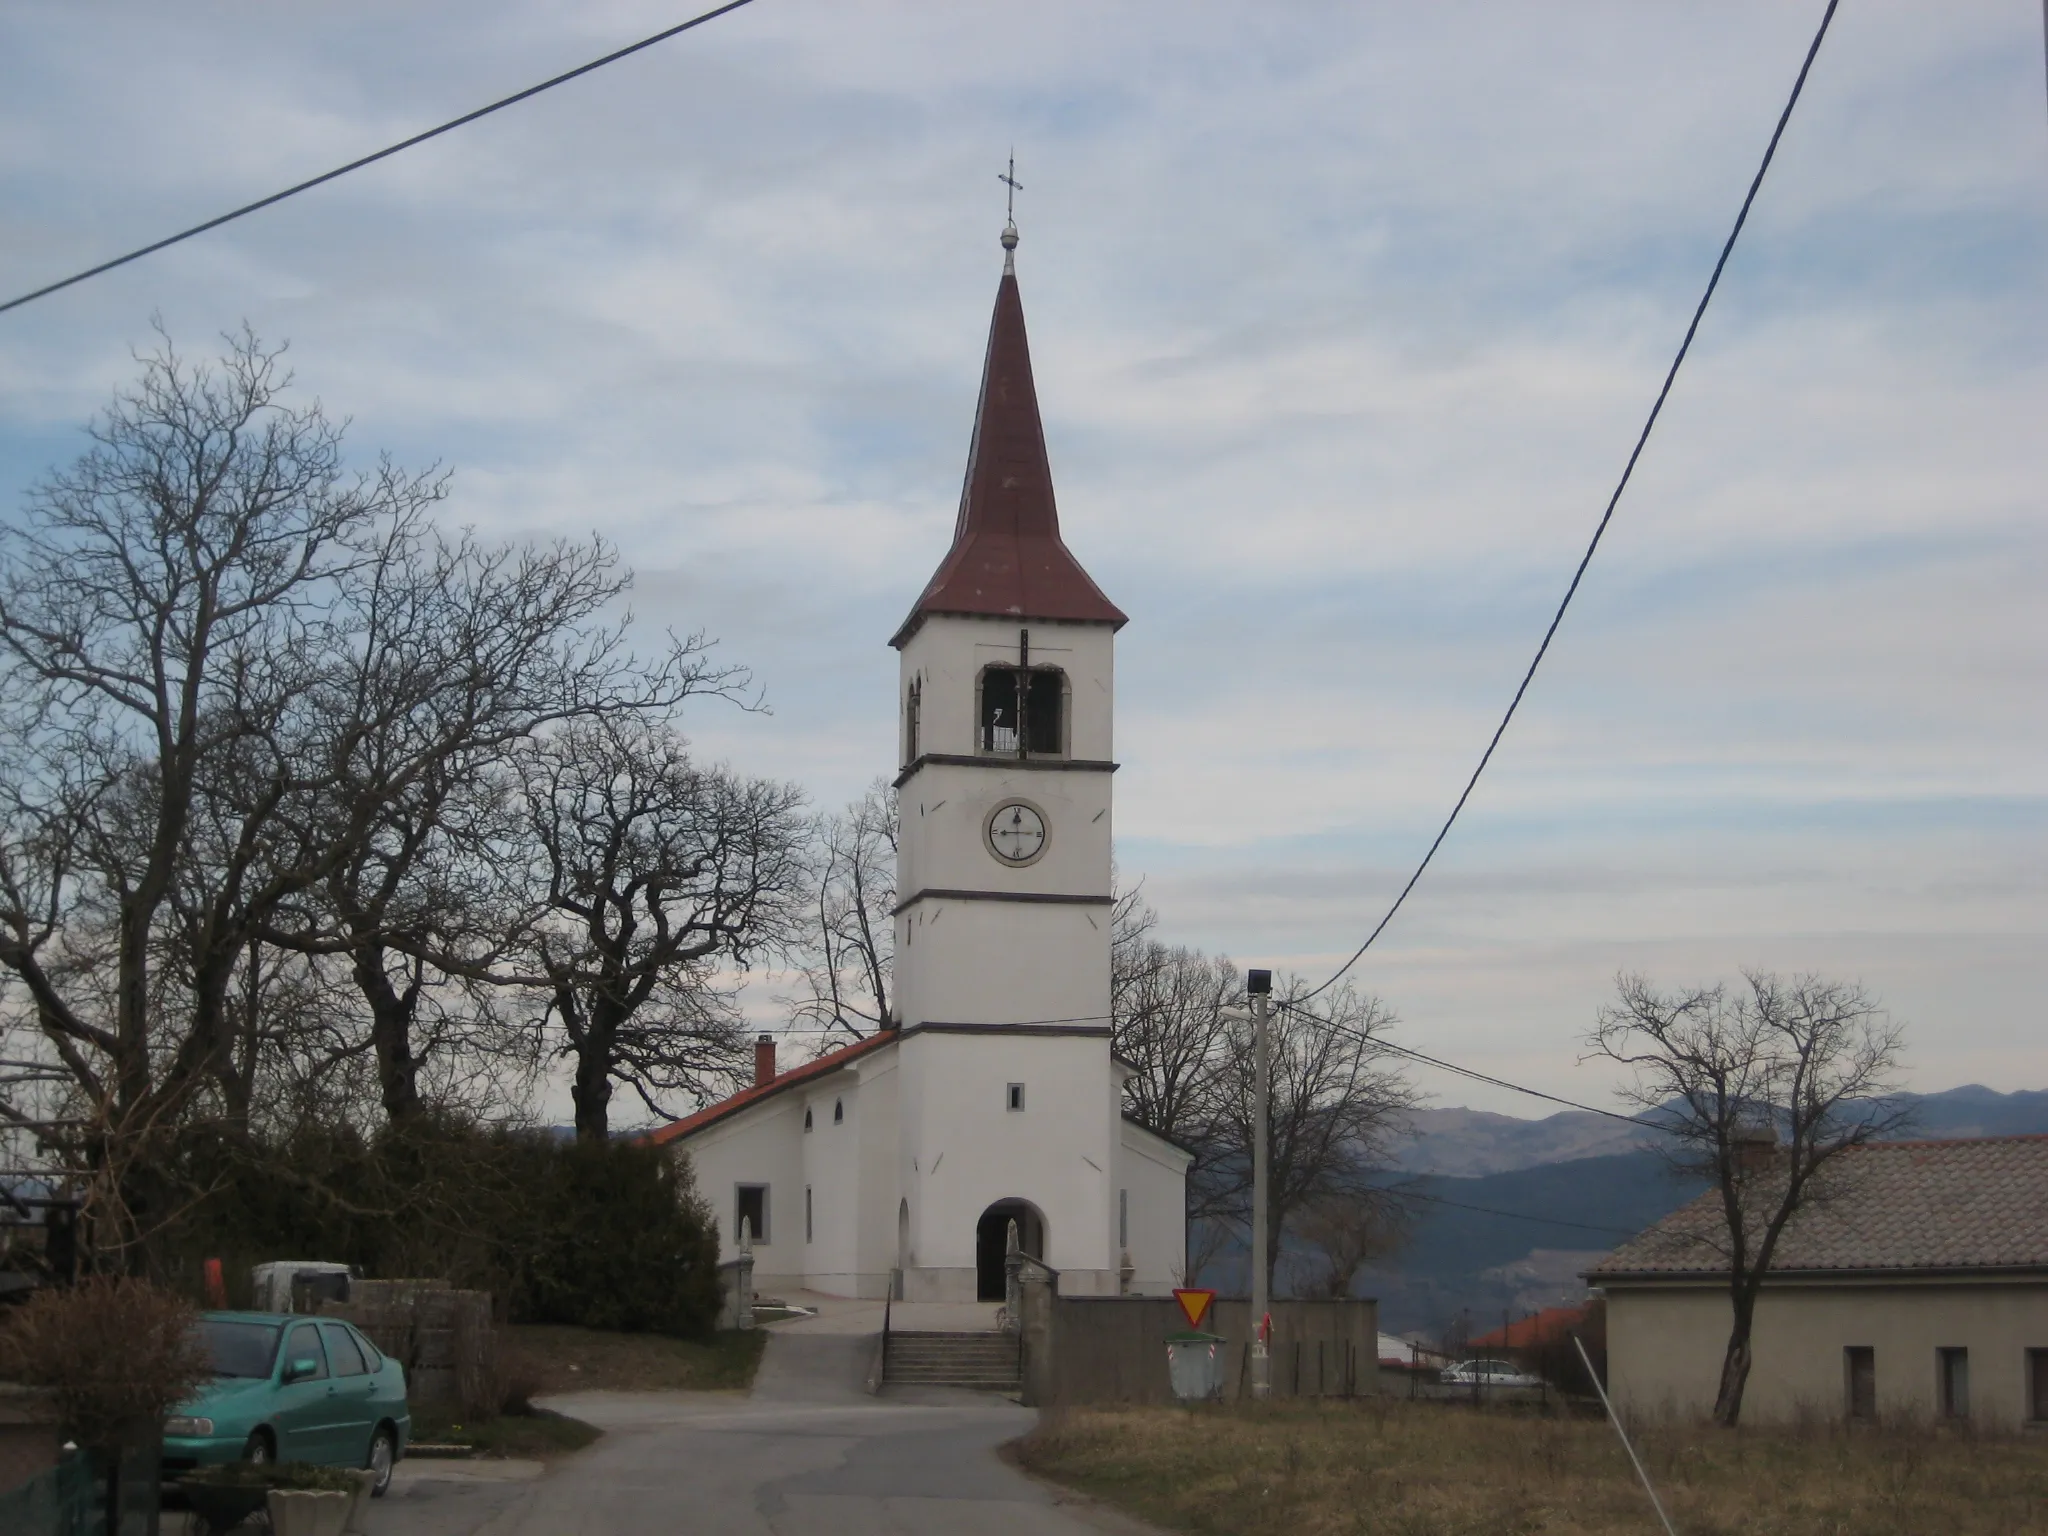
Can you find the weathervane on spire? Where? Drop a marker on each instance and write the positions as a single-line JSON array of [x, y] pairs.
[[1009, 179]]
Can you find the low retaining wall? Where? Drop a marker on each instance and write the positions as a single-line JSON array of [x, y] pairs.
[[442, 1336], [1112, 1349]]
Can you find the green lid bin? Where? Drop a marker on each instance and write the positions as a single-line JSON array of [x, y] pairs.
[[1194, 1366]]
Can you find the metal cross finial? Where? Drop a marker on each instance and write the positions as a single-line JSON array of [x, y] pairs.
[[1009, 179]]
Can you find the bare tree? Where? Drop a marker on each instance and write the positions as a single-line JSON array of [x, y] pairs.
[[165, 617], [849, 947], [1337, 1102], [1762, 1088], [464, 652], [651, 871], [1167, 1004], [1342, 1232]]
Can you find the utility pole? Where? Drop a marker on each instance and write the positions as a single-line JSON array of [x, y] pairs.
[[1259, 984]]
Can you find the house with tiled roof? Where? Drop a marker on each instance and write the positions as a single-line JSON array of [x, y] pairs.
[[899, 1164], [1913, 1284]]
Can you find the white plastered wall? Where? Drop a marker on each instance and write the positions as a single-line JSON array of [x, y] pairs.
[[1155, 1174], [965, 1150], [1664, 1347], [762, 1144]]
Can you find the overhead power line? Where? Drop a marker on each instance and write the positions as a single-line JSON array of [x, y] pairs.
[[382, 154], [1642, 440], [1486, 1210], [1380, 1042]]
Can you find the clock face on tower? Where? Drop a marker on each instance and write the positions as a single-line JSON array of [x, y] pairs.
[[1016, 833]]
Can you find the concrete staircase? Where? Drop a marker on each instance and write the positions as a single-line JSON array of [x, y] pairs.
[[991, 1361]]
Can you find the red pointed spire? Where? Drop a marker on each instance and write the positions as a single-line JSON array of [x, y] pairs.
[[1007, 559]]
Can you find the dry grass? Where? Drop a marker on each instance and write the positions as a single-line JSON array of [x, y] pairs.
[[1421, 1469], [562, 1359]]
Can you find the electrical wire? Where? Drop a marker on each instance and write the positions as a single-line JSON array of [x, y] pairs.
[[382, 154], [1379, 1042], [1628, 470], [1487, 1210]]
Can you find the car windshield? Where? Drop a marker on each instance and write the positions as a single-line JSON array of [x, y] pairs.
[[239, 1349]]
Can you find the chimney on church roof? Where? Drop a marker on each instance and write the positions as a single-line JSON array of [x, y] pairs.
[[1007, 559], [764, 1060]]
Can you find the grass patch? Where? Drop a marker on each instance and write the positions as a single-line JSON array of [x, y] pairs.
[[1422, 1469], [532, 1436], [556, 1358]]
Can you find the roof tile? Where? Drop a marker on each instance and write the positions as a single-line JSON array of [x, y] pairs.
[[1905, 1205]]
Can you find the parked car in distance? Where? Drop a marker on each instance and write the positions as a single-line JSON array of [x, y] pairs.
[[1488, 1373], [291, 1388]]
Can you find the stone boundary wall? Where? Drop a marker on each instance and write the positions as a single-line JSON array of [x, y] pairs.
[[1112, 1349], [442, 1336]]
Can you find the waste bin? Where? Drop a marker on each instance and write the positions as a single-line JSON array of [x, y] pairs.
[[1194, 1366]]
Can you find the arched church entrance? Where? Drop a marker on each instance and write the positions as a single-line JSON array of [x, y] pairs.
[[992, 1242]]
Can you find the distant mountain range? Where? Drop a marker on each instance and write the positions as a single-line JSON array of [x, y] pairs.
[[1555, 1194], [1473, 1143]]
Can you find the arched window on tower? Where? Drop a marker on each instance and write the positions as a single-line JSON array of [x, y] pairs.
[[913, 707], [1023, 711]]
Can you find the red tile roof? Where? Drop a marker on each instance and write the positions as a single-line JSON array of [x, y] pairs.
[[1980, 1203], [1007, 559], [1544, 1327], [810, 1071]]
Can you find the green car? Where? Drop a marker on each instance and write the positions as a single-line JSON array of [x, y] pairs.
[[291, 1388]]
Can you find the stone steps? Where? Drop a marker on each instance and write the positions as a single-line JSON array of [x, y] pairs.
[[987, 1360]]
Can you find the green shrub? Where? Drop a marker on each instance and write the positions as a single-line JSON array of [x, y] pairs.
[[621, 1242], [608, 1235]]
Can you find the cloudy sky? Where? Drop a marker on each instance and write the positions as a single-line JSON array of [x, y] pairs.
[[1344, 319]]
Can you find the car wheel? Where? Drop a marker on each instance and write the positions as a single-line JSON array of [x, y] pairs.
[[259, 1448], [383, 1457]]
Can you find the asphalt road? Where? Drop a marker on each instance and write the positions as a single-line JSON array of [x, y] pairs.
[[805, 1454]]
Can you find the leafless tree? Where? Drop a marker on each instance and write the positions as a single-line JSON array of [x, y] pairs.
[[1167, 1004], [1343, 1231], [464, 652], [1337, 1103], [651, 872], [166, 609], [849, 947], [1762, 1087]]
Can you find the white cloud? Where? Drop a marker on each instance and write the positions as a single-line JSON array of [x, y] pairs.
[[1344, 319]]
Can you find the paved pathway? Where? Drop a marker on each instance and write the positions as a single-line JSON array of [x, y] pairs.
[[807, 1453]]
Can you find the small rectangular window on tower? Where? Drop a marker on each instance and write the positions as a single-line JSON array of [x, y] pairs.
[[1015, 1097]]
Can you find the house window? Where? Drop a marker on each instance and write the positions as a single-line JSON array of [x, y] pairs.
[[838, 1111], [1023, 711], [1953, 1368], [2037, 1385], [807, 1213], [807, 1120], [751, 1212], [913, 707], [1014, 1098], [1123, 1218], [1859, 1370]]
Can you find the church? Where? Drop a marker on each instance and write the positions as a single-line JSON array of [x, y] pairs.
[[895, 1166]]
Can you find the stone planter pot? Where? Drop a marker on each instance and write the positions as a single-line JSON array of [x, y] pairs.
[[308, 1512], [359, 1502]]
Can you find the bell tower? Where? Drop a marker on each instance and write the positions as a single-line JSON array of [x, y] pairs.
[[1009, 1096]]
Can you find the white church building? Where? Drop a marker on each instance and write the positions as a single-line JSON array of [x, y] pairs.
[[900, 1161]]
